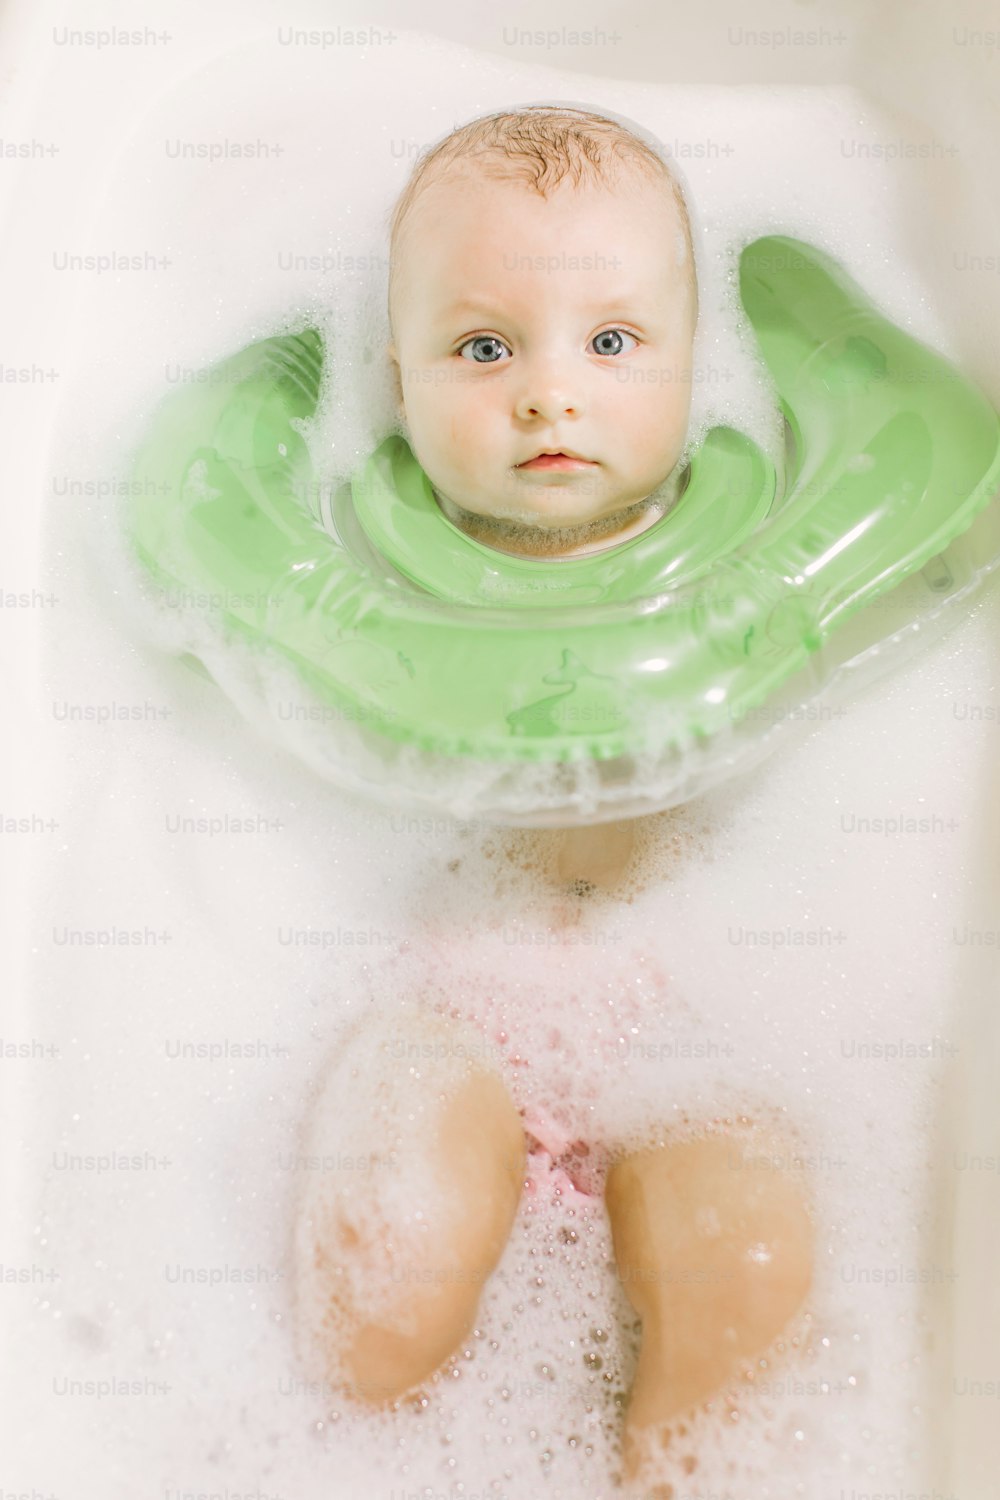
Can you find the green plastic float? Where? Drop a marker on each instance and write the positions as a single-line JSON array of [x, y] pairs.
[[453, 674]]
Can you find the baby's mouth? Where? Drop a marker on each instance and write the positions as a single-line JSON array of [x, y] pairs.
[[556, 461]]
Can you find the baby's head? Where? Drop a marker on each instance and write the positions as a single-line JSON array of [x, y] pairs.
[[542, 298]]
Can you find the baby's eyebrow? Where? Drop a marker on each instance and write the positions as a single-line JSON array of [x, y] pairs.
[[467, 304], [618, 302]]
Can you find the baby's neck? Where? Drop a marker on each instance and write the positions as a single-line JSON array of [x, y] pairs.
[[555, 542]]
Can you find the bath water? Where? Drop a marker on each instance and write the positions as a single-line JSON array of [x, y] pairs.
[[216, 914]]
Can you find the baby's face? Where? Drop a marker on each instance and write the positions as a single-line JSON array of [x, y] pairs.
[[525, 324]]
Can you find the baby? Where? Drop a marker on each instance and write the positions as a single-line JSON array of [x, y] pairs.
[[542, 309], [542, 304]]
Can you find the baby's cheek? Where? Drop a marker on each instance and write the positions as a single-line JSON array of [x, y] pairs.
[[658, 422], [680, 399]]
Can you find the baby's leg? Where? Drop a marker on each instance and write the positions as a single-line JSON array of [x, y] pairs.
[[715, 1257], [415, 1159]]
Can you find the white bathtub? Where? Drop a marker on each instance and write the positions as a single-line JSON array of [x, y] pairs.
[[941, 72]]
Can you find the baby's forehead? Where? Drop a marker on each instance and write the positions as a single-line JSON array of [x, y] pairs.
[[459, 195]]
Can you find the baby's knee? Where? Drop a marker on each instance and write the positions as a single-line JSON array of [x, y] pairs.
[[714, 1244], [722, 1201], [396, 1240]]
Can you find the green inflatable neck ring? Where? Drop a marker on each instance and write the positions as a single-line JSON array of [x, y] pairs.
[[527, 690], [729, 490]]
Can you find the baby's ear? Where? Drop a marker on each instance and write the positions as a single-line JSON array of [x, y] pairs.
[[397, 383]]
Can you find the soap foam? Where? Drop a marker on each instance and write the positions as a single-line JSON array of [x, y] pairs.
[[622, 1014]]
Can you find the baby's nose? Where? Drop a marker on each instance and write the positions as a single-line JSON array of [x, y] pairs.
[[549, 398]]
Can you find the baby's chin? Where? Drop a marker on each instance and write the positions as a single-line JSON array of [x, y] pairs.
[[554, 509], [556, 518], [563, 523], [553, 519]]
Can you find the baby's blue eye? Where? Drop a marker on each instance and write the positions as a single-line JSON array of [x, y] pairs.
[[493, 344], [614, 333]]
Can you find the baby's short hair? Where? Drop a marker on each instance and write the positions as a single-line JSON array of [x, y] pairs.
[[539, 146]]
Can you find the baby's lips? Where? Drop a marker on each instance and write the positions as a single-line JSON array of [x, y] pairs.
[[556, 461]]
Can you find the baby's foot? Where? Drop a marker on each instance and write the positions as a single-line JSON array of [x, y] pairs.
[[715, 1257], [419, 1163], [595, 858]]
